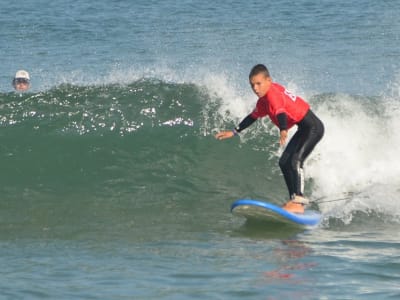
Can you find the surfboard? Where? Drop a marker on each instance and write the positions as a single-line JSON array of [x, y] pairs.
[[264, 211]]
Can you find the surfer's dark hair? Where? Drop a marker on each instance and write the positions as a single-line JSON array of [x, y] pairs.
[[258, 69]]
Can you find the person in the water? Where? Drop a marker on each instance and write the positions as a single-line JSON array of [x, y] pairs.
[[21, 81]]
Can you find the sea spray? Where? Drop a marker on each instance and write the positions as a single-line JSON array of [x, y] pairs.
[[357, 155]]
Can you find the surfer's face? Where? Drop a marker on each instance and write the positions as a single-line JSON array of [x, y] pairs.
[[260, 84]]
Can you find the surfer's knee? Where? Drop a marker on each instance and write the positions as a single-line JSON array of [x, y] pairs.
[[296, 163]]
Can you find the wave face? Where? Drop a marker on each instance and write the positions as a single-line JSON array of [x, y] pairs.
[[118, 153]]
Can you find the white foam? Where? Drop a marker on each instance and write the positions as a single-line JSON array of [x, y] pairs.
[[359, 153]]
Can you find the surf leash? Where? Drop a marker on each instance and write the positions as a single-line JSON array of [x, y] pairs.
[[347, 196]]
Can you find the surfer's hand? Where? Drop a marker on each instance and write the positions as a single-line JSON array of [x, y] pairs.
[[224, 135], [283, 137]]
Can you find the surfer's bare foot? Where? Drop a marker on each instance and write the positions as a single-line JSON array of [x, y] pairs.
[[294, 207]]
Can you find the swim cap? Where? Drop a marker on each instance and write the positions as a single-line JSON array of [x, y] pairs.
[[22, 74]]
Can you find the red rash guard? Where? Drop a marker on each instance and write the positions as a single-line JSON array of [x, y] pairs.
[[279, 100]]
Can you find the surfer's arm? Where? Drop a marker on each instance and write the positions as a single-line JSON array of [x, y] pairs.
[[243, 125], [282, 124]]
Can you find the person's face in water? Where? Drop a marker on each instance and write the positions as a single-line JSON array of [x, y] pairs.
[[260, 84], [21, 84]]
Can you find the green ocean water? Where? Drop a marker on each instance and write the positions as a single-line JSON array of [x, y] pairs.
[[116, 155], [121, 191]]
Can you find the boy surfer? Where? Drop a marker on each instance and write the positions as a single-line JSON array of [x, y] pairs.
[[285, 110]]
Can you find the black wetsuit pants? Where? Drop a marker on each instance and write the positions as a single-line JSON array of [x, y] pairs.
[[309, 133]]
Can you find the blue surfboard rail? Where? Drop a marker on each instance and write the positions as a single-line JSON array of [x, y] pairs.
[[308, 218]]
